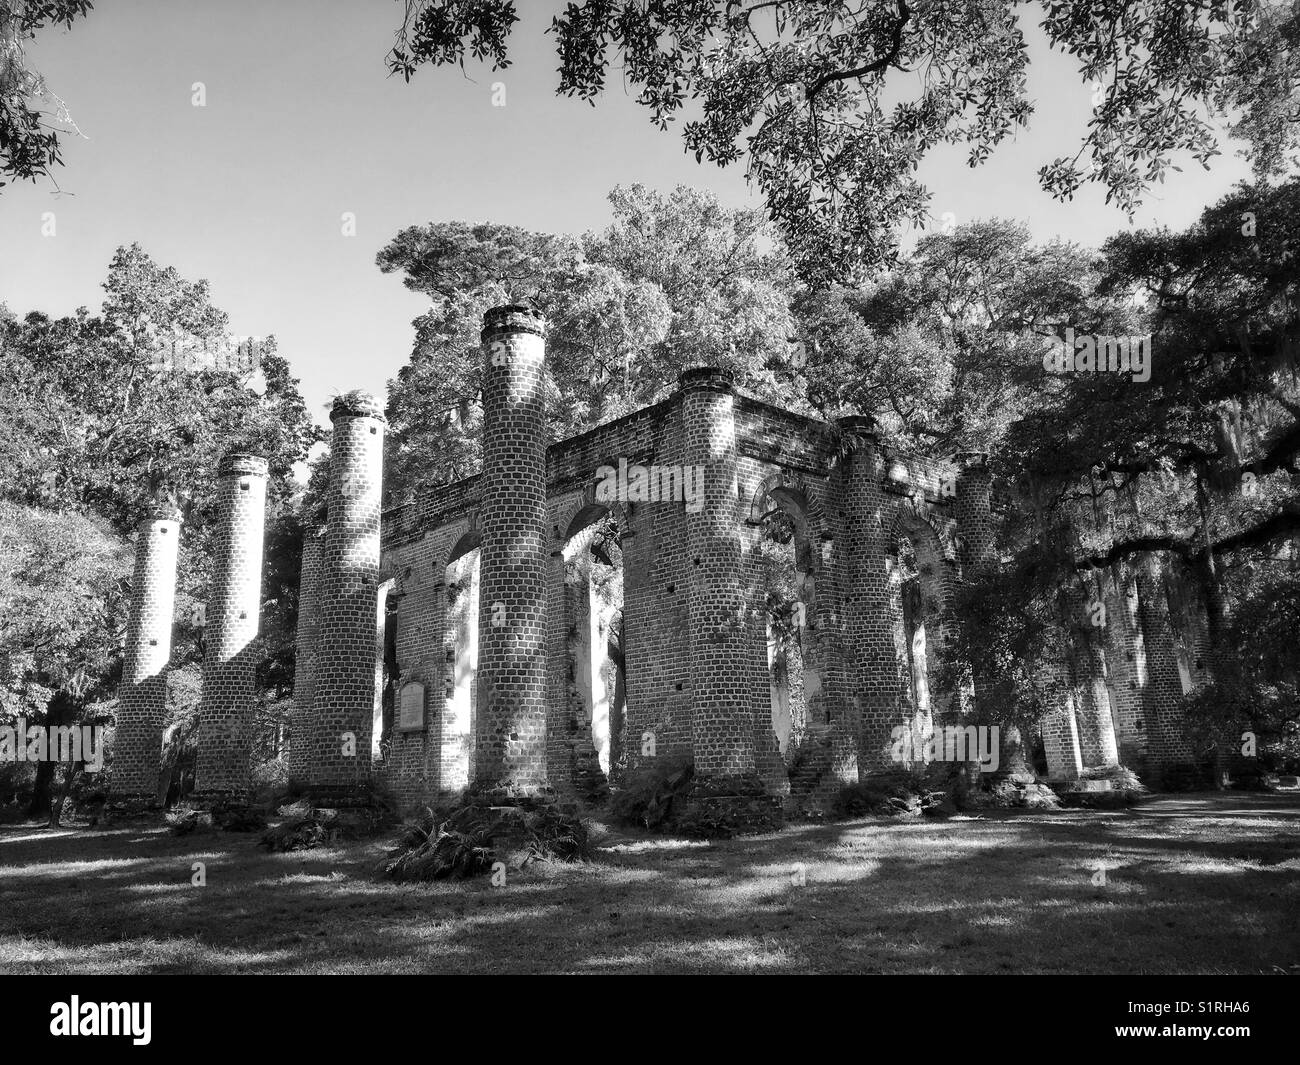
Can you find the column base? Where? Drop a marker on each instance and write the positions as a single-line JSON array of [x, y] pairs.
[[340, 796], [209, 797], [729, 806], [502, 795]]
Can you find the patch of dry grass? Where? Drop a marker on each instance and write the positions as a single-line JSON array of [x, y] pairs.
[[1203, 885]]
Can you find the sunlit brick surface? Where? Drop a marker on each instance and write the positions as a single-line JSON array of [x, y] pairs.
[[142, 697], [694, 649], [229, 662], [302, 726], [343, 701], [511, 727], [1166, 741], [723, 725]]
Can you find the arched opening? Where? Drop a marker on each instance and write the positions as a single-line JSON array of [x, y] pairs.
[[917, 570], [596, 688], [789, 595], [460, 639]]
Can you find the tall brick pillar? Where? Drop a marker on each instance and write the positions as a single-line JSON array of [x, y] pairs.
[[142, 697], [343, 700], [976, 553], [1096, 724], [1166, 743], [234, 601], [722, 712], [722, 724], [510, 763], [302, 725], [974, 507], [867, 601], [1126, 663]]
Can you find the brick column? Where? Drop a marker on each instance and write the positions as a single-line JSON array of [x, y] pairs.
[[976, 553], [510, 763], [142, 697], [1126, 663], [1166, 743], [343, 703], [1060, 729], [234, 602], [1093, 723], [834, 716], [722, 727], [867, 603], [974, 508], [301, 726]]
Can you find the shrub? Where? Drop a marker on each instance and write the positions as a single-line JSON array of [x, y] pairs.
[[557, 836], [270, 782], [237, 817], [182, 820], [646, 797], [1187, 776], [434, 848], [891, 793], [299, 834]]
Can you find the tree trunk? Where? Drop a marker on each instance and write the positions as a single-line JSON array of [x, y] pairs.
[[56, 810], [61, 711]]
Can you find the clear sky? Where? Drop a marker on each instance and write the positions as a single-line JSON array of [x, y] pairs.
[[302, 124]]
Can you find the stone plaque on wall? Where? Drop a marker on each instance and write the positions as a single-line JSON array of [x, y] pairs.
[[412, 709]]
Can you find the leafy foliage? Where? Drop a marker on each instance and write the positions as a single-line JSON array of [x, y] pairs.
[[557, 836], [98, 426], [1257, 690], [889, 794], [648, 797], [29, 135], [63, 604], [835, 105], [439, 847], [674, 281]]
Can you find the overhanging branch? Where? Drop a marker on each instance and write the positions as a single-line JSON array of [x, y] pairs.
[[896, 46]]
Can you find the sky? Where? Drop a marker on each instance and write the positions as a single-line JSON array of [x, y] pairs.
[[301, 124]]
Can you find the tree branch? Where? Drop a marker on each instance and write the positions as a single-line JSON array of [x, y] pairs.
[[896, 46]]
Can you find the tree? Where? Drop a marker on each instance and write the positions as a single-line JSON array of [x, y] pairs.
[[834, 105], [674, 281], [111, 411], [1195, 461], [64, 582], [29, 136], [1199, 462], [105, 414], [944, 349]]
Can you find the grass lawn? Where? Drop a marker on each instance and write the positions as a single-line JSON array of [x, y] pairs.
[[1194, 884]]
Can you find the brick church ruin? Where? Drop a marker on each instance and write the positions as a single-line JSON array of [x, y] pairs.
[[580, 610]]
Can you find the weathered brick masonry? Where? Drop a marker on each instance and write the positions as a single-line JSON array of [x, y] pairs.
[[693, 632], [510, 736], [505, 646], [344, 700], [301, 725], [142, 697], [229, 664]]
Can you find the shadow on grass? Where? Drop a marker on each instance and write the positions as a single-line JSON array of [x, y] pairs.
[[1212, 889]]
